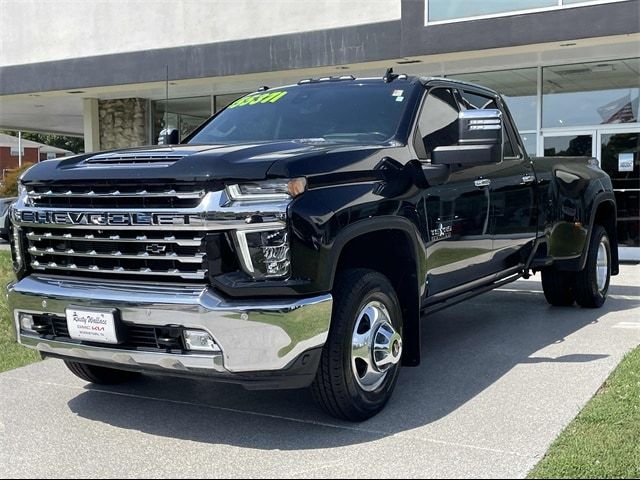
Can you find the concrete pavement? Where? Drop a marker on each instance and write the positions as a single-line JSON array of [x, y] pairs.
[[502, 375]]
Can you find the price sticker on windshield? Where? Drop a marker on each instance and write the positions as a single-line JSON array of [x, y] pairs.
[[258, 98]]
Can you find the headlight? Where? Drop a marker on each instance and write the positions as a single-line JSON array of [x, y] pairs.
[[22, 190], [268, 190], [264, 254]]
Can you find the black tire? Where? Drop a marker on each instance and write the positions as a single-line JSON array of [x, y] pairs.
[[558, 287], [100, 375], [588, 294], [335, 387]]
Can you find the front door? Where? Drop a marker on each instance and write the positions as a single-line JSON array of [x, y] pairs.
[[458, 236]]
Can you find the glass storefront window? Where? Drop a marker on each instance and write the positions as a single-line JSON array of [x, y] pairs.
[[223, 101], [599, 93], [568, 146], [185, 114], [620, 158], [530, 141], [444, 10], [518, 88], [440, 10]]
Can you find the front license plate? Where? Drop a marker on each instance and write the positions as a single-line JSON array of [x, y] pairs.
[[92, 325]]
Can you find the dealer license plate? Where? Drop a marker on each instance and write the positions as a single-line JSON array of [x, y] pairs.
[[92, 325]]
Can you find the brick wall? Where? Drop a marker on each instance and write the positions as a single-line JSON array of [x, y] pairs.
[[8, 161]]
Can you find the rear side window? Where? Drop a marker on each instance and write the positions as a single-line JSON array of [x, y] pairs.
[[438, 121], [473, 101]]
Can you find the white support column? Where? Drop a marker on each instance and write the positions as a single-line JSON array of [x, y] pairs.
[[91, 125], [19, 149]]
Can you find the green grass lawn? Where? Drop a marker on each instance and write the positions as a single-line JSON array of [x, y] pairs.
[[12, 355], [604, 440]]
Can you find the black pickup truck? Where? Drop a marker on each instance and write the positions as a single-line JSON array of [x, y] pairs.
[[297, 237]]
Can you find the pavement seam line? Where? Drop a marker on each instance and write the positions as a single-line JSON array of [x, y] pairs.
[[277, 417]]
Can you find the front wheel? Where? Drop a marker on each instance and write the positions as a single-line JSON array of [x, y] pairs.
[[361, 359]]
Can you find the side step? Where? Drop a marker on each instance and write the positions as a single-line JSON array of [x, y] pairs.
[[448, 302]]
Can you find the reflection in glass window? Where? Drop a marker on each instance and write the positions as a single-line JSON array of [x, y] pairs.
[[517, 87], [438, 122], [450, 9], [568, 146], [599, 93]]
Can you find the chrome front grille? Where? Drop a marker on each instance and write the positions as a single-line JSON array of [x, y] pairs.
[[121, 196], [178, 255], [138, 234]]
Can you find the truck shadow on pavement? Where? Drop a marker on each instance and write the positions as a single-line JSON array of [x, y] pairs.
[[466, 349]]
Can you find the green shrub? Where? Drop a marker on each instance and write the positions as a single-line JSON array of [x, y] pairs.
[[9, 187]]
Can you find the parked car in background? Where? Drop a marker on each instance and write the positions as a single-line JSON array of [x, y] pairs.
[[5, 203]]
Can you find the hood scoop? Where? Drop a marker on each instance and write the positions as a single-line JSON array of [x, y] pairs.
[[142, 159]]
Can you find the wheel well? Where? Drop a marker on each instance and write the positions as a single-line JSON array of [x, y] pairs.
[[606, 216], [391, 253]]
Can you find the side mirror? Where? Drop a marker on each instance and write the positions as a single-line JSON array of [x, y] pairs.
[[479, 142], [169, 136]]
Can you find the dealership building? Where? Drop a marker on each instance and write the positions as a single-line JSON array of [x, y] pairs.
[[569, 69]]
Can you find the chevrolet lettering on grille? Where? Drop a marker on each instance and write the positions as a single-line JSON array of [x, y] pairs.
[[105, 218]]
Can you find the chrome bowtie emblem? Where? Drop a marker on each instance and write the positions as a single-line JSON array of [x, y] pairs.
[[155, 248]]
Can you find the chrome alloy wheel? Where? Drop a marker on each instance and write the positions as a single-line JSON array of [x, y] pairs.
[[375, 346], [602, 266]]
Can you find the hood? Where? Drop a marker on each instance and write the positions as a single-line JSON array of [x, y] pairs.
[[206, 163]]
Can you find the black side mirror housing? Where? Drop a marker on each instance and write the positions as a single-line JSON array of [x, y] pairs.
[[169, 136], [480, 140]]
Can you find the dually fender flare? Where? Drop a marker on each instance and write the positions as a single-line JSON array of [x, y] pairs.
[[600, 199]]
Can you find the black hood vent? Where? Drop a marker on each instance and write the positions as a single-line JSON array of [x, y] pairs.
[[155, 159]]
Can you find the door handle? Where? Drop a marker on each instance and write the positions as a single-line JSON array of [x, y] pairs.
[[527, 179], [482, 182]]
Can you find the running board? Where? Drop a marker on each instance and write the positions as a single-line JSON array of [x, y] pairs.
[[448, 302]]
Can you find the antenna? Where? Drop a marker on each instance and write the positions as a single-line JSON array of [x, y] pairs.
[[166, 106], [389, 76]]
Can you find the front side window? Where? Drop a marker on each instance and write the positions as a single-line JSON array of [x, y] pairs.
[[438, 121], [346, 112]]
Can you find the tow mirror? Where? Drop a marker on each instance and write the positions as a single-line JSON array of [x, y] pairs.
[[479, 141], [169, 136]]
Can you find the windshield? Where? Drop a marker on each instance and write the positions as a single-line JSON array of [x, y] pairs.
[[343, 111]]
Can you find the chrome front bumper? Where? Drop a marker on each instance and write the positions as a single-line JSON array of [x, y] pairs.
[[261, 335]]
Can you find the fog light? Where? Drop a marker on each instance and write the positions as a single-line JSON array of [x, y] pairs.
[[26, 322], [199, 340]]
